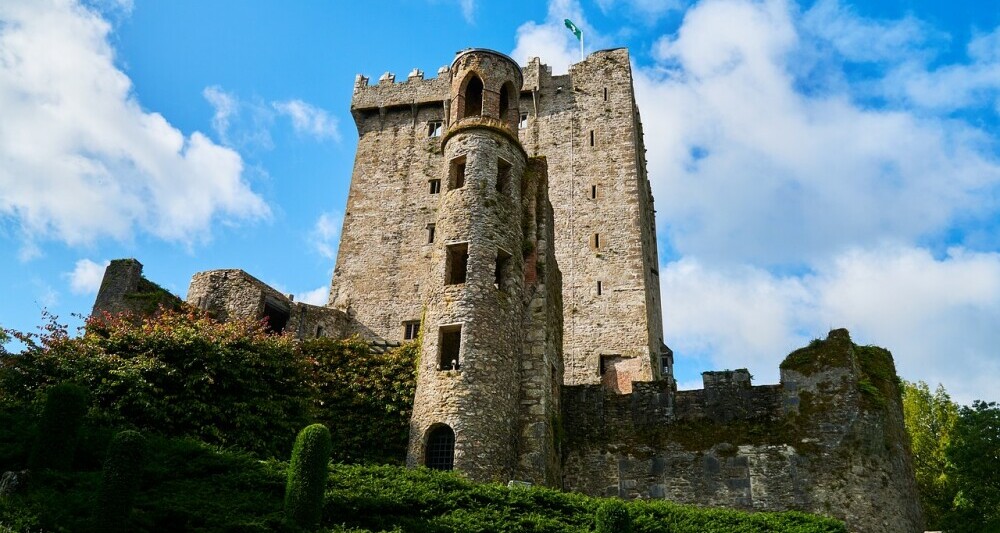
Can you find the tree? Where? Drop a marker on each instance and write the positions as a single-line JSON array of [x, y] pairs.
[[930, 420], [974, 459]]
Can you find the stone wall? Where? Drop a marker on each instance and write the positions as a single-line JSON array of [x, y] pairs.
[[232, 293], [817, 442], [125, 289]]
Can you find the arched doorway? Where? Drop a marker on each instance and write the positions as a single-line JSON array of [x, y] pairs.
[[440, 453], [473, 97]]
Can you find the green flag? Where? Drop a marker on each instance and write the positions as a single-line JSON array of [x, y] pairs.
[[576, 31]]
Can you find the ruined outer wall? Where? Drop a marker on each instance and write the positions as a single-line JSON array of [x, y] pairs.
[[625, 319], [815, 443], [125, 289]]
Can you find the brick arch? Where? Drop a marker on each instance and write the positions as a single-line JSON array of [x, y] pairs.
[[471, 104]]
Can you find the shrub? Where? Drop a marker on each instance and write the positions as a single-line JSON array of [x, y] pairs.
[[59, 428], [120, 480], [307, 475], [613, 517]]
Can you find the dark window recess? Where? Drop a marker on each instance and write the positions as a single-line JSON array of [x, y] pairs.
[[276, 316], [503, 175], [593, 192], [524, 121], [411, 329], [592, 137], [605, 94], [502, 268], [595, 241], [606, 363], [456, 263], [504, 102], [474, 97], [440, 449], [434, 128], [450, 347], [600, 288], [654, 271], [319, 331], [456, 173], [435, 186], [430, 233]]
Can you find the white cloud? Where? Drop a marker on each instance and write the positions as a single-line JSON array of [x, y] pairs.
[[309, 120], [758, 171], [326, 233], [86, 276], [552, 41], [861, 39], [82, 159], [225, 105], [317, 296], [937, 316], [468, 9]]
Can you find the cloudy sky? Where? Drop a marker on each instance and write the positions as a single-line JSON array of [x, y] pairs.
[[815, 165]]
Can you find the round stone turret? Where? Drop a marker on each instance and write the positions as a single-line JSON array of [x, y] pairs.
[[466, 410]]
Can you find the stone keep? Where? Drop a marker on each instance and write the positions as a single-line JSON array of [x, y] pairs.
[[585, 125]]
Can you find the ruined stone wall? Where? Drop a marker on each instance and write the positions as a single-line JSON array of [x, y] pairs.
[[817, 442], [229, 294], [587, 126], [125, 289]]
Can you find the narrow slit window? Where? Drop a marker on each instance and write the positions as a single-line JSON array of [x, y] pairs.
[[523, 123], [592, 137], [456, 263], [430, 233], [501, 271], [411, 329], [595, 241], [600, 288], [605, 94], [434, 128], [503, 175], [435, 186], [593, 192], [450, 347], [456, 174]]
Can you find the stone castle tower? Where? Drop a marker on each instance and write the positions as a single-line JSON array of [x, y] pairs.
[[502, 217]]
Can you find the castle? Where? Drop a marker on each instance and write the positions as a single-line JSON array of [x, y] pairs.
[[502, 217]]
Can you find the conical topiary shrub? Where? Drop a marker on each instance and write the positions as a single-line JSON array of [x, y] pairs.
[[613, 517], [122, 472], [307, 475], [59, 428]]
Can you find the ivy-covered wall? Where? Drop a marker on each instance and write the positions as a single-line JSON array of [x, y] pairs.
[[828, 439]]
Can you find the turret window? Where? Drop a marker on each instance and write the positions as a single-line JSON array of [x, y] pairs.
[[474, 97], [502, 268], [434, 128], [456, 263], [456, 173], [450, 347], [524, 121], [503, 175]]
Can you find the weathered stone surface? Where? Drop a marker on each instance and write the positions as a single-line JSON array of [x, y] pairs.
[[125, 289]]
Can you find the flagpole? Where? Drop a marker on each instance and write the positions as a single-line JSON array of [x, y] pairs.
[[581, 46]]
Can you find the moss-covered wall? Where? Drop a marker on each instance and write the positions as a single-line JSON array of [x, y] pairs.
[[829, 439]]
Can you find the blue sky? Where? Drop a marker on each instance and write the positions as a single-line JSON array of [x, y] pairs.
[[815, 164]]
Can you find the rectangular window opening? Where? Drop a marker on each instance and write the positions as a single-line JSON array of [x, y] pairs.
[[319, 331], [593, 192], [435, 186], [456, 263], [502, 267], [434, 128], [595, 241], [605, 94], [592, 137], [600, 288], [277, 316], [456, 173], [430, 233], [503, 175], [411, 328], [450, 347], [523, 123]]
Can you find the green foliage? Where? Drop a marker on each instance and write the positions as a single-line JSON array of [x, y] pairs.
[[120, 480], [365, 397], [930, 420], [230, 384], [59, 428], [974, 457], [307, 475], [613, 517]]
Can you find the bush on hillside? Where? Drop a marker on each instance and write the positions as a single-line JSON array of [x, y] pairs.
[[120, 480], [179, 373], [307, 475], [59, 427], [613, 517]]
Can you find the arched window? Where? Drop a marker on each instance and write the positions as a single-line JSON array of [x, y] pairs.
[[440, 448], [504, 102], [473, 97]]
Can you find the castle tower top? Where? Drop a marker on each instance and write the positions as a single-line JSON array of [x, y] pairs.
[[487, 85]]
